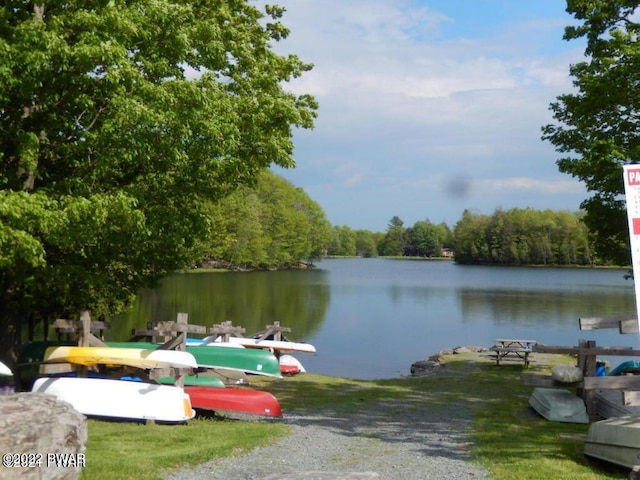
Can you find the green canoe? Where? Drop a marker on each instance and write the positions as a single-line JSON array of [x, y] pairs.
[[194, 381], [247, 360]]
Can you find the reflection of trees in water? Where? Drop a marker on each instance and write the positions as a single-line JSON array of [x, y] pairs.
[[297, 299], [419, 295], [525, 307]]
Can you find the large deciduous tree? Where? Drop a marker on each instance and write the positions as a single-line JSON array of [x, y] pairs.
[[271, 224], [118, 119], [598, 126]]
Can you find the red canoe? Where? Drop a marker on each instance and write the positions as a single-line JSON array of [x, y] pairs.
[[289, 369], [231, 399]]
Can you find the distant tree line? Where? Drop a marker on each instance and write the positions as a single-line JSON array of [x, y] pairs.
[[423, 239], [273, 224], [512, 237], [523, 237]]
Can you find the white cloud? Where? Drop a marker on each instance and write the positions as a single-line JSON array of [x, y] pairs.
[[516, 184], [408, 107]]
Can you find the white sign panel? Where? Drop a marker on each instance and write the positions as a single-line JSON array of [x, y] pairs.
[[632, 193]]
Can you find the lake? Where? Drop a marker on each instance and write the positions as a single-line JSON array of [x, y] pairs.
[[373, 318]]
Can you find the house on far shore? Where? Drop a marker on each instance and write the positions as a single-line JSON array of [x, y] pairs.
[[447, 253]]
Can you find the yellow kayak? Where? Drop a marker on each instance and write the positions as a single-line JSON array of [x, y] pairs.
[[131, 357]]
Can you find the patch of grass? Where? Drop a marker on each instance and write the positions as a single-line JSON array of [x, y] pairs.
[[133, 451]]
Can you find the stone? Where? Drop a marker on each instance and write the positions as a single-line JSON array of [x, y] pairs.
[[468, 349], [424, 367], [34, 427], [566, 374]]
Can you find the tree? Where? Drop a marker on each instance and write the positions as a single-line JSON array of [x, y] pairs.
[[343, 242], [394, 241], [272, 224], [365, 244], [598, 127], [118, 121], [523, 236], [426, 239]]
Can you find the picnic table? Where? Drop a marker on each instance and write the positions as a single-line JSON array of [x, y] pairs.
[[518, 349]]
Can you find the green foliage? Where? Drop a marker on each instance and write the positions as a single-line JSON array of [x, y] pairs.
[[598, 127], [426, 239], [272, 224], [523, 237], [350, 243], [343, 242], [119, 122], [423, 239], [394, 242], [366, 244]]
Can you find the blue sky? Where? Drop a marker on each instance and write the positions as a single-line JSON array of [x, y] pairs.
[[430, 107]]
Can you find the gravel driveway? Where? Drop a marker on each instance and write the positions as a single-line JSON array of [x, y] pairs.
[[393, 439]]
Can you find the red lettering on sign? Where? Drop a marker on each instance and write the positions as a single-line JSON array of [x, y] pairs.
[[633, 176], [636, 226]]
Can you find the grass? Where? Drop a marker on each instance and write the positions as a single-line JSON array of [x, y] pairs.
[[141, 452], [508, 439]]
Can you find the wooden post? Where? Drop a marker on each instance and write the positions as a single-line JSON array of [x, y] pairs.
[[588, 395], [275, 330], [83, 339], [183, 319], [85, 329], [225, 330]]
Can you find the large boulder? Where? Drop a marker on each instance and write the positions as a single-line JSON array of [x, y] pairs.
[[424, 367], [47, 436], [566, 374]]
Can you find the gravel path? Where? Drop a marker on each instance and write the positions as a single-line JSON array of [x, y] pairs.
[[392, 440]]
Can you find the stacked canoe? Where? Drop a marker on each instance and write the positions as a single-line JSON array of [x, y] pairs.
[[132, 396], [228, 365], [122, 397]]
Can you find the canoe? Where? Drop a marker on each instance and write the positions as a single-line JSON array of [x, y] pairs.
[[290, 365], [231, 399], [5, 371], [611, 403], [615, 440], [630, 367], [232, 361], [202, 342], [558, 405], [191, 380], [195, 381], [132, 357], [119, 399], [279, 345]]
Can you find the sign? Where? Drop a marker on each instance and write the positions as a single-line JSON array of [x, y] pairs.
[[632, 194]]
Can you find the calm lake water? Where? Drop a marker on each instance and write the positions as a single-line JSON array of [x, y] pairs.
[[372, 318]]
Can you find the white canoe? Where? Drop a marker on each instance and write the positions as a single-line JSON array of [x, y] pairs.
[[119, 399], [279, 345], [4, 370], [290, 365], [200, 342], [132, 357]]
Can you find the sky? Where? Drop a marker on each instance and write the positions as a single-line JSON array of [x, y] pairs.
[[430, 107]]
